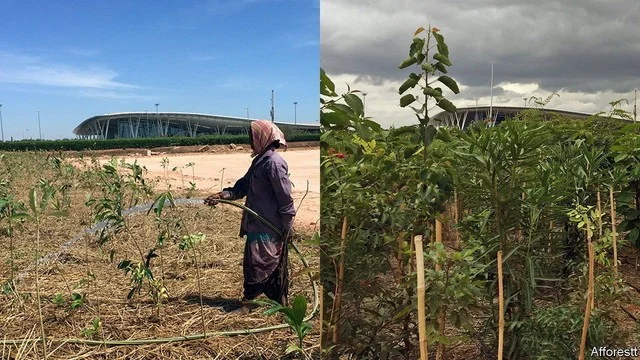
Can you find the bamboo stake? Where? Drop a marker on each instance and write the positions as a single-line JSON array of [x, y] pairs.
[[438, 232], [422, 320], [587, 310], [500, 308], [338, 300], [441, 316], [599, 208], [614, 234]]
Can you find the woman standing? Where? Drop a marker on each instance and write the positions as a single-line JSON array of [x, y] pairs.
[[267, 189]]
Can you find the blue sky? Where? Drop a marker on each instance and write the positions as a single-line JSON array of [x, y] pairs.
[[87, 58]]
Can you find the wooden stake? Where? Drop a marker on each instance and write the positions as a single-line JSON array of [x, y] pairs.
[[587, 310], [438, 231], [599, 208], [500, 308], [614, 234], [422, 320], [338, 300], [441, 316]]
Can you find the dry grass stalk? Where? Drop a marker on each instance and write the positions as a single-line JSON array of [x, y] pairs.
[[500, 308], [422, 320], [338, 299], [321, 310], [44, 338], [587, 310], [599, 209], [614, 234]]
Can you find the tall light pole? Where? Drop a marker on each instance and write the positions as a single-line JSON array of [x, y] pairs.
[[273, 112], [364, 103], [39, 128], [247, 109], [158, 121], [1, 128], [525, 102], [635, 106], [491, 103], [295, 112]]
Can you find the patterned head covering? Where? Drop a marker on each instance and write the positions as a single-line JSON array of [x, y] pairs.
[[263, 134]]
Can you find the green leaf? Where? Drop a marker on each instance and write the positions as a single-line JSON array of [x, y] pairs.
[[436, 93], [447, 106], [620, 157], [292, 348], [407, 100], [408, 84], [299, 308], [440, 66], [327, 87], [428, 67], [32, 201], [416, 46], [442, 46], [408, 62], [21, 216], [450, 83], [355, 103], [441, 58], [331, 119]]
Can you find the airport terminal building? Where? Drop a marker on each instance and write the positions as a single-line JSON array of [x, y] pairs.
[[144, 124], [466, 116]]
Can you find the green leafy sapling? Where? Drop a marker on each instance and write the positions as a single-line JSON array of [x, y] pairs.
[[433, 70]]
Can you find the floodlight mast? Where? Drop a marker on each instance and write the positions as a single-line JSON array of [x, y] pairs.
[[273, 113], [491, 102], [1, 128]]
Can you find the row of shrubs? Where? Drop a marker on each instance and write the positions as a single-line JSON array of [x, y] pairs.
[[144, 143]]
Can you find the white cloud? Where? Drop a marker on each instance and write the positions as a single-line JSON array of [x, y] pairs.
[[518, 88], [20, 69], [382, 100]]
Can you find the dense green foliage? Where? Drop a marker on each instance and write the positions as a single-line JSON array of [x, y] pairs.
[[527, 187], [144, 143]]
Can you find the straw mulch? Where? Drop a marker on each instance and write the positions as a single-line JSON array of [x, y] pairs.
[[86, 269]]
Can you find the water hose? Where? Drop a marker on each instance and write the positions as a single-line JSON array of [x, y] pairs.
[[145, 207]]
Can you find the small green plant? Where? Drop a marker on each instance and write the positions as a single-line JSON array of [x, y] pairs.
[[294, 316], [74, 301], [165, 166], [93, 329]]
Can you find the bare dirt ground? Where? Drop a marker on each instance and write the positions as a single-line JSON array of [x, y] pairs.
[[224, 167]]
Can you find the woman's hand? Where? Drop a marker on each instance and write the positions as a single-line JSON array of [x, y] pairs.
[[212, 200]]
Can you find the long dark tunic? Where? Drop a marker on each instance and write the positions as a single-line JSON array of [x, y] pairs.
[[267, 188]]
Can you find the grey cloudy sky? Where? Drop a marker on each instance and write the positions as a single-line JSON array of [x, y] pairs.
[[587, 51]]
